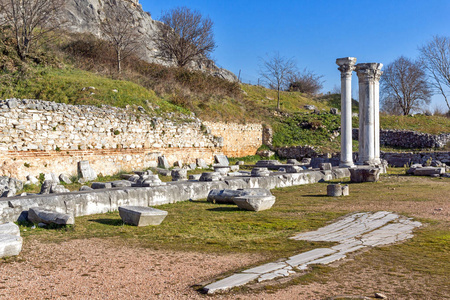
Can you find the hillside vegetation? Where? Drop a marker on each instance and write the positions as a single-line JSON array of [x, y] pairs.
[[79, 69]]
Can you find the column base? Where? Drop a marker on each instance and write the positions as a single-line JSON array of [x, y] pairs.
[[346, 164]]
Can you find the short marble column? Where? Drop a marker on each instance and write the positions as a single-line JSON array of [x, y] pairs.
[[346, 66], [369, 120]]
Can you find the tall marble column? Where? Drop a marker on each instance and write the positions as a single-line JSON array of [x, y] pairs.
[[369, 120], [346, 66]]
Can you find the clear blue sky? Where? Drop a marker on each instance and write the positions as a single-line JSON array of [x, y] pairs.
[[316, 32]]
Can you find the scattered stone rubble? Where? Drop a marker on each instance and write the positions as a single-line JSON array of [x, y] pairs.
[[353, 233]]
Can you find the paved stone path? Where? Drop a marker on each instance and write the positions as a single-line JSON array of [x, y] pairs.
[[353, 233]]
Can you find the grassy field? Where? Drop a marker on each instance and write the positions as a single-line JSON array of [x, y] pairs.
[[210, 228]]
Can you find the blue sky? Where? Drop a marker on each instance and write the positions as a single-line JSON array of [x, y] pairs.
[[316, 32]]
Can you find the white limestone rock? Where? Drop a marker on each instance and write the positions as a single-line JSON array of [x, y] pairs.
[[254, 203], [40, 215]]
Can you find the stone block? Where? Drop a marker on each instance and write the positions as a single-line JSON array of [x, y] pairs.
[[164, 172], [226, 196], [40, 215], [201, 163], [266, 163], [141, 215], [222, 170], [221, 160], [193, 166], [51, 177], [337, 190], [210, 176], [85, 172], [195, 177], [101, 185], [65, 178], [10, 245], [178, 163], [325, 166], [240, 163], [179, 174], [120, 183], [32, 179], [163, 163], [364, 174], [293, 169], [85, 188], [9, 228], [234, 168], [260, 172], [292, 161], [306, 161], [254, 203], [428, 171]]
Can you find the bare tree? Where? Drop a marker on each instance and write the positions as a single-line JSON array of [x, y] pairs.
[[404, 86], [436, 58], [305, 82], [118, 26], [31, 20], [184, 36], [276, 71]]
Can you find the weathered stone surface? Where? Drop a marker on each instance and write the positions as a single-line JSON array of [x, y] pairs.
[[325, 166], [240, 163], [201, 163], [101, 185], [46, 216], [58, 189], [260, 172], [164, 172], [85, 172], [265, 153], [195, 177], [9, 186], [121, 183], [364, 174], [51, 177], [210, 176], [292, 161], [266, 163], [221, 160], [227, 196], [222, 170], [142, 216], [179, 174], [9, 228], [293, 169], [86, 188], [269, 267], [32, 179], [229, 282], [163, 163], [305, 257], [428, 171], [65, 178], [52, 187], [10, 245], [337, 190], [254, 203], [178, 163]]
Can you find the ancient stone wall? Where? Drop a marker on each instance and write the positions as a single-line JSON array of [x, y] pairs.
[[410, 139], [238, 139], [41, 137]]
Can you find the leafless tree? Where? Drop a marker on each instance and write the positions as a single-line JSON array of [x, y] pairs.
[[405, 87], [305, 82], [184, 36], [119, 28], [276, 71], [31, 20], [436, 58]]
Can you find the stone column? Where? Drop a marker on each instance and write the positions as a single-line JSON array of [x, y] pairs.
[[346, 66], [369, 121]]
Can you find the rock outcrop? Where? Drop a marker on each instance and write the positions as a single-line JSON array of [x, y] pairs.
[[83, 17]]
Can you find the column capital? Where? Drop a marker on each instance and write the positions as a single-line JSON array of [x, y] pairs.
[[346, 66], [369, 71]]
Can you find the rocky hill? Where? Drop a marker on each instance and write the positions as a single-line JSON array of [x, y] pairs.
[[84, 15]]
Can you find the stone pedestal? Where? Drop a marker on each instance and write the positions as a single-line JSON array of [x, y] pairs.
[[346, 66], [369, 120]]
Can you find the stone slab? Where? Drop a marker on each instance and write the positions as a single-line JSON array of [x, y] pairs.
[[327, 259], [121, 183], [142, 216], [221, 160], [229, 282], [269, 267], [10, 245], [306, 257], [101, 185], [40, 215]]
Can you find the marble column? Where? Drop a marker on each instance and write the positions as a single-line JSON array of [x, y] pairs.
[[369, 120], [346, 66]]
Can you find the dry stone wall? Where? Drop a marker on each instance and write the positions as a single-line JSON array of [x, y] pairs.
[[410, 139], [40, 137]]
